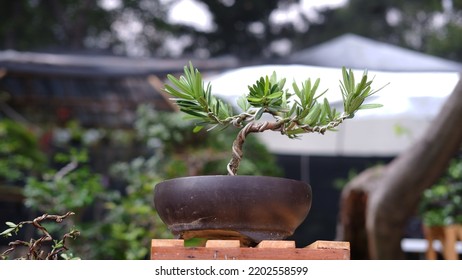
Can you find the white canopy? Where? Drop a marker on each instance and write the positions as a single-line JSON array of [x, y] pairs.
[[410, 101]]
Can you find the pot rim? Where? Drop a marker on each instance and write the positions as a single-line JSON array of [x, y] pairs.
[[234, 177]]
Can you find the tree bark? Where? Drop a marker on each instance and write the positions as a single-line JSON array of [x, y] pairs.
[[353, 206], [406, 177]]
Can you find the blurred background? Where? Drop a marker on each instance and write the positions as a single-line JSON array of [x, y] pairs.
[[86, 127]]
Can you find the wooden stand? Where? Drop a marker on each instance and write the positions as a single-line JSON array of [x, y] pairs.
[[174, 249], [448, 236]]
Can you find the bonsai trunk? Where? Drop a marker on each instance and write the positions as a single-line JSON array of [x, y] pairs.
[[238, 143]]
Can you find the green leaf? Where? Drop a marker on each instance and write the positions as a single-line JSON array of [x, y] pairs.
[[315, 86], [273, 79], [313, 115], [370, 106], [351, 80], [182, 84], [297, 90], [259, 113], [275, 95], [346, 79], [194, 113], [355, 103], [197, 128], [10, 224], [326, 108], [7, 232], [292, 110], [322, 93], [172, 91], [254, 99]]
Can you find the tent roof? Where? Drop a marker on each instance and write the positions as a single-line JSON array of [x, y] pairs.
[[354, 51]]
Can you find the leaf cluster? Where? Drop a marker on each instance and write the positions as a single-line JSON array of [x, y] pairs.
[[296, 112], [267, 94], [197, 100], [354, 94]]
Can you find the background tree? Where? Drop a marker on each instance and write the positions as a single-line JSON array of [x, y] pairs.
[[429, 26], [241, 28], [81, 25]]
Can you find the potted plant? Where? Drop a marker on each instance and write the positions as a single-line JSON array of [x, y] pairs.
[[250, 208]]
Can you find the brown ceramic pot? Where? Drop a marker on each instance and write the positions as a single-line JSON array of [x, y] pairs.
[[249, 208]]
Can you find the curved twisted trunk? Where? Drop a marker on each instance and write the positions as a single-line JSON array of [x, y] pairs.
[[233, 165]]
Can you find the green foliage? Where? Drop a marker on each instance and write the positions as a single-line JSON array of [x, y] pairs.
[[442, 203], [73, 187], [266, 93], [301, 114], [127, 220], [131, 221], [19, 152], [197, 101], [354, 94]]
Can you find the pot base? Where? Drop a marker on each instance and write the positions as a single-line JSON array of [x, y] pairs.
[[216, 234], [246, 238]]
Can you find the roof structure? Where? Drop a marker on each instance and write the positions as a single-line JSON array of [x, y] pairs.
[[103, 65], [98, 91], [358, 52]]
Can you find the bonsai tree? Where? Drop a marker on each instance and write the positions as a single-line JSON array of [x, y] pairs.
[[294, 112]]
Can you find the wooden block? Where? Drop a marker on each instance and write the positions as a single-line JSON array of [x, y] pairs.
[[269, 250], [223, 244], [167, 243], [459, 231], [276, 244], [448, 237], [322, 244]]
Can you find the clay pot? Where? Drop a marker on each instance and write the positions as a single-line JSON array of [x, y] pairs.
[[249, 208]]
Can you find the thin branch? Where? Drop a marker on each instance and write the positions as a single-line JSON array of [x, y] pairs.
[[34, 246], [66, 170]]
